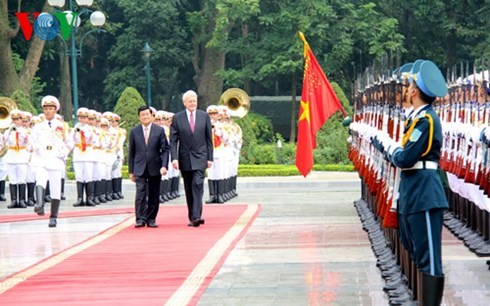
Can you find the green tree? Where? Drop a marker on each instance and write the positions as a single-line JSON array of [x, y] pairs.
[[23, 103], [127, 107], [160, 24], [10, 79]]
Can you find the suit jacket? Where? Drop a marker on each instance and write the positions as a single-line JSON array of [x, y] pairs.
[[154, 155], [192, 150]]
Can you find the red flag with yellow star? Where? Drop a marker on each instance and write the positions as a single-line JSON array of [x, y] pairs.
[[318, 103]]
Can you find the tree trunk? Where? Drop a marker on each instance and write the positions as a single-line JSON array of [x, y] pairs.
[[292, 135], [65, 86], [9, 81], [210, 87]]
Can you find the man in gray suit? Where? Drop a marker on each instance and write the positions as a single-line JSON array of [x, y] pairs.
[[148, 160], [191, 148]]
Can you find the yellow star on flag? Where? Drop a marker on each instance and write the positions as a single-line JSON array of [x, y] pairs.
[[306, 111]]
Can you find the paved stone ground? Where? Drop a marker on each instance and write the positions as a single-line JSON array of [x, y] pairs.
[[306, 247]]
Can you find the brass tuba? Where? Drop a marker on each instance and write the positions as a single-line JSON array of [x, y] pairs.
[[237, 102], [6, 106]]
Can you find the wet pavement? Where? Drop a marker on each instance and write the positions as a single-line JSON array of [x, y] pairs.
[[306, 247]]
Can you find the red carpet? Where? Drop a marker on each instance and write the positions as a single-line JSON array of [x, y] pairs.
[[88, 211], [171, 265]]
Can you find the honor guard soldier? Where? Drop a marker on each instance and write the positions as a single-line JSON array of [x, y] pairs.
[[119, 148], [16, 138], [422, 201], [83, 136], [51, 146]]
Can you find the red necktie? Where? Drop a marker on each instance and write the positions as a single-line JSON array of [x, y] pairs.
[[192, 122]]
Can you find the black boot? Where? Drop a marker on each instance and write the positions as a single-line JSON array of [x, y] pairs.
[[22, 195], [219, 193], [119, 188], [432, 290], [47, 196], [40, 195], [212, 192], [166, 190], [2, 191], [96, 192], [79, 201], [102, 191], [30, 194], [162, 192], [115, 195], [108, 192], [55, 207], [13, 196], [89, 189], [63, 189], [177, 182]]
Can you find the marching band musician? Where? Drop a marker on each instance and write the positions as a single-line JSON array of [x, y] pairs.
[[67, 129], [51, 146], [83, 137], [17, 159], [173, 174], [106, 143], [158, 120], [119, 148], [235, 160], [422, 201], [27, 119], [214, 171], [111, 152]]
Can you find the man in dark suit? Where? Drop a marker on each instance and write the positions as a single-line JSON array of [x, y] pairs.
[[191, 146], [148, 160]]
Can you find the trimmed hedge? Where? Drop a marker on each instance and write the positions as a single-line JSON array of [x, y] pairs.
[[261, 170]]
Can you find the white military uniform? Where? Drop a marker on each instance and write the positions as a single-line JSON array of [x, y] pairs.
[[51, 146]]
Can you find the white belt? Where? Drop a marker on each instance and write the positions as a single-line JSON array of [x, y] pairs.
[[424, 164]]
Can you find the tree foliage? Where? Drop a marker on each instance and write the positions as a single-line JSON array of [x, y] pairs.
[[127, 107], [23, 103]]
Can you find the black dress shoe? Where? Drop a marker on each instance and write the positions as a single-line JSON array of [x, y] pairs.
[[200, 221], [194, 223], [52, 222], [152, 224], [139, 224]]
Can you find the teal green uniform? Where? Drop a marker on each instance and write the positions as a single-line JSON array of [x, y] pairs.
[[422, 200]]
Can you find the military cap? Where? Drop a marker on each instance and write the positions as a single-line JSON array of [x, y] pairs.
[[153, 110], [159, 114], [92, 114], [16, 114], [50, 101], [430, 80], [108, 115], [26, 115], [115, 117], [82, 111], [404, 73], [212, 109], [104, 121]]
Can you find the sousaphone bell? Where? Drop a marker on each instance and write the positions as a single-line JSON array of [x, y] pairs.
[[237, 101]]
